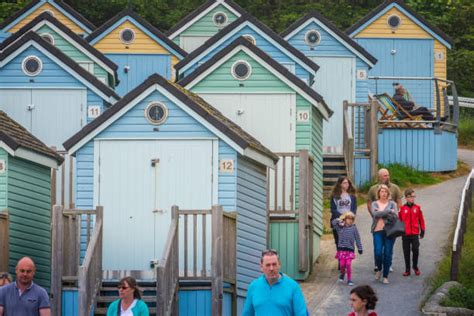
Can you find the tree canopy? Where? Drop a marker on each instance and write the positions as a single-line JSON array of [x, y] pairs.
[[454, 17]]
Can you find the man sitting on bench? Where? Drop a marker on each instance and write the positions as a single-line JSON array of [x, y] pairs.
[[400, 97]]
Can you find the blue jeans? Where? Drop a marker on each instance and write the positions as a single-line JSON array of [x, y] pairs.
[[383, 251]]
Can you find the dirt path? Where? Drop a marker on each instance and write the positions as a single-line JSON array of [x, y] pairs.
[[403, 296]]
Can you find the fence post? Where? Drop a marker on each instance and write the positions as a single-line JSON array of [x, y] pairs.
[[437, 125], [57, 258], [374, 132], [217, 260], [303, 211]]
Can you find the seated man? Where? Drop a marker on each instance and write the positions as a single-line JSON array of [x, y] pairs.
[[401, 98]]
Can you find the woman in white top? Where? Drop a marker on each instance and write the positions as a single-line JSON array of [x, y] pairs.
[[129, 303]]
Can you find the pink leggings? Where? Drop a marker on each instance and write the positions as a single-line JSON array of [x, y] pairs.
[[345, 264]]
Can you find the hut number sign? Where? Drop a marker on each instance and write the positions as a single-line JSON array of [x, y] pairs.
[[302, 116], [3, 166], [227, 166], [93, 111]]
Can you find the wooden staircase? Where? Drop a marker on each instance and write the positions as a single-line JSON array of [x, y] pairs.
[[108, 293], [334, 166]]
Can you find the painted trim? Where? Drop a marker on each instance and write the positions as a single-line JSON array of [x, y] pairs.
[[28, 73], [221, 61], [30, 156], [50, 38], [256, 156], [7, 148], [334, 35], [96, 174]]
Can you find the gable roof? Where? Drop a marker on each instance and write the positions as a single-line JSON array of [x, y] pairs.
[[387, 4], [356, 48], [199, 12], [193, 101], [16, 136], [90, 78], [265, 29], [59, 4], [45, 16], [147, 25], [278, 68]]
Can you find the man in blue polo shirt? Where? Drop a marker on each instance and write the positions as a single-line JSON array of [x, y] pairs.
[[23, 297], [274, 293]]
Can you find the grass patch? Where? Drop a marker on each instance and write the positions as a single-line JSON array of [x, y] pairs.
[[405, 176], [466, 128], [459, 296]]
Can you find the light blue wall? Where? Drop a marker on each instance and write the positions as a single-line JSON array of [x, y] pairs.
[[422, 149], [227, 195], [195, 302], [141, 67], [70, 305], [361, 170], [263, 43], [251, 222]]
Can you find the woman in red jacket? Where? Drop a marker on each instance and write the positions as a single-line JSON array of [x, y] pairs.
[[412, 216]]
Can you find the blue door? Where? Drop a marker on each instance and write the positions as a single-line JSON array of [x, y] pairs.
[[134, 69]]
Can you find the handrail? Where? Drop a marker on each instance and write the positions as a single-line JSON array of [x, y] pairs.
[[458, 240], [90, 272], [348, 141], [167, 271]]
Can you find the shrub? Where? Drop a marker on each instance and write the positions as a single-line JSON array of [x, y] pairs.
[[459, 296]]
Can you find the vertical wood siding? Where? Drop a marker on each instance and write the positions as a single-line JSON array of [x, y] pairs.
[[195, 302], [70, 303], [29, 204], [74, 26], [221, 79], [205, 25], [3, 180], [421, 149], [263, 43], [380, 29], [227, 189], [251, 222], [440, 65], [361, 170]]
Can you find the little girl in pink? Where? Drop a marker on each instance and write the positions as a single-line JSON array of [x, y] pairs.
[[348, 235]]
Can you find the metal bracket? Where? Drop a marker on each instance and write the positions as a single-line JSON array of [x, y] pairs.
[[155, 161]]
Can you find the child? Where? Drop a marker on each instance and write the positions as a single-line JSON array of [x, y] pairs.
[[348, 234], [343, 199], [363, 299], [412, 216]]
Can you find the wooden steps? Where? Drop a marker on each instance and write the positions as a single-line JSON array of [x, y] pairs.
[[334, 167]]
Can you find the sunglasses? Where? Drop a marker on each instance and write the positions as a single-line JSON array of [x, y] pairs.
[[269, 252], [123, 287]]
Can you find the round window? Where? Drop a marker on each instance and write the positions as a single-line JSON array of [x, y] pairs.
[[241, 70], [32, 65], [312, 37], [251, 39], [127, 36], [394, 21], [219, 19], [48, 38], [156, 113]]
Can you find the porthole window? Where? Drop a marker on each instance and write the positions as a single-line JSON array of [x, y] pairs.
[[49, 11], [241, 70], [220, 19], [48, 38], [32, 65], [251, 39], [127, 36], [394, 21], [156, 113], [312, 38]]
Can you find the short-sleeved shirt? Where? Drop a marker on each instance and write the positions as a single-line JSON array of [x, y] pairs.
[[284, 297], [28, 304], [395, 193], [343, 204]]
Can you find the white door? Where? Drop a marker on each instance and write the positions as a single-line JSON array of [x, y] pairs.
[[137, 194], [335, 82], [190, 43], [52, 115]]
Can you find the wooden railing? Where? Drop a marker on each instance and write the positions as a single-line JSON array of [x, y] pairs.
[[4, 240], [65, 265], [62, 182], [347, 140], [167, 272], [464, 208]]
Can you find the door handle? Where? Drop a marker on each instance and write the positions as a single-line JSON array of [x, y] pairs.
[[154, 162], [161, 211]]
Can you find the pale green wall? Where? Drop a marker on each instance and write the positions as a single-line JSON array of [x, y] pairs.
[[29, 206], [3, 181]]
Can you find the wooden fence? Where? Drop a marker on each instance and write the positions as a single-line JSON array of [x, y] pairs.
[[62, 182], [464, 208], [4, 241]]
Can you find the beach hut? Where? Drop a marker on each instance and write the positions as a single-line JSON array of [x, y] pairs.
[[201, 24], [343, 71], [25, 199], [259, 35], [59, 9], [137, 47], [286, 115], [409, 50], [71, 44], [159, 146]]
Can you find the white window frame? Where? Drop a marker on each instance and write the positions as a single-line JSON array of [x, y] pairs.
[[235, 65], [23, 65]]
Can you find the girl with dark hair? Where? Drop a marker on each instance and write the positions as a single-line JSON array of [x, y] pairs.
[[363, 299], [130, 302], [343, 199]]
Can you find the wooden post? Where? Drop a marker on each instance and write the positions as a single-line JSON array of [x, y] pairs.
[[57, 258], [437, 125], [374, 132], [4, 240], [217, 260], [303, 211]]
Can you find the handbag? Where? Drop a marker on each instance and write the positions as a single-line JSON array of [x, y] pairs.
[[395, 230]]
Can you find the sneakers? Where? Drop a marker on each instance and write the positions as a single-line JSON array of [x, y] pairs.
[[341, 277], [386, 281], [406, 273], [350, 283], [391, 269], [417, 271], [378, 274]]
